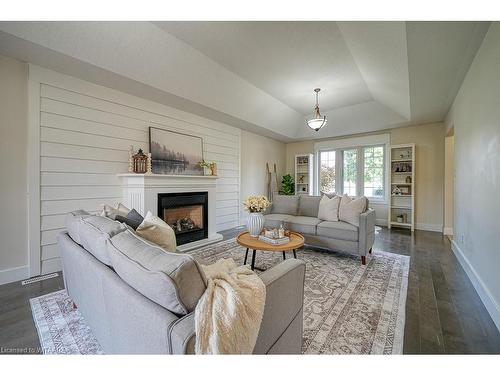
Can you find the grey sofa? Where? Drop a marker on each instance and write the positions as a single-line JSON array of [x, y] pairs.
[[299, 213], [138, 299]]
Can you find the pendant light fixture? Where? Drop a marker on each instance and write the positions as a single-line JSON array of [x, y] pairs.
[[318, 121]]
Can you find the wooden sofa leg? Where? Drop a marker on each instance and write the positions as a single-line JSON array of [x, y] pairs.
[[363, 260]]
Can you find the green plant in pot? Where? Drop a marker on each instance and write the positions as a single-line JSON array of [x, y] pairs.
[[287, 185]]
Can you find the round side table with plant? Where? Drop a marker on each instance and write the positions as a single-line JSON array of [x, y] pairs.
[[255, 205]]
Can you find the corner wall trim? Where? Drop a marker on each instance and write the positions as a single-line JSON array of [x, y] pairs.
[[448, 231], [484, 293], [14, 274]]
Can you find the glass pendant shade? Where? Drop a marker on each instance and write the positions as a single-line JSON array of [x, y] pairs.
[[318, 121]]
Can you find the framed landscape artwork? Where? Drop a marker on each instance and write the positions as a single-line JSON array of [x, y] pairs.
[[175, 153]]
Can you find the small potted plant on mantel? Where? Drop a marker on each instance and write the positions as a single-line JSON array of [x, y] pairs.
[[255, 205], [209, 169]]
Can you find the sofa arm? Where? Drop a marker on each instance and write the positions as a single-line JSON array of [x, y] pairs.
[[182, 335], [366, 231], [284, 299]]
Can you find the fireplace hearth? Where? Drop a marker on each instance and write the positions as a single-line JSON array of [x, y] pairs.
[[186, 213]]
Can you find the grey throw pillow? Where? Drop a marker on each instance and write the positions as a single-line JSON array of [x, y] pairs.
[[133, 219]]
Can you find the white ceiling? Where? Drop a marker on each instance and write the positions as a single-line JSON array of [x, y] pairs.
[[260, 76], [269, 54]]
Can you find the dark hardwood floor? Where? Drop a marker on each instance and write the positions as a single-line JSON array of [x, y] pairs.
[[444, 314]]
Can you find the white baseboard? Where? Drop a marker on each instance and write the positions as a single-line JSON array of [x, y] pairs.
[[429, 227], [14, 274], [448, 231], [484, 293]]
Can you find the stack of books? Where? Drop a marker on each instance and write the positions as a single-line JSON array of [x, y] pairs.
[[274, 241]]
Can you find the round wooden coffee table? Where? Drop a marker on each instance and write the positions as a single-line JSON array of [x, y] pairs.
[[244, 239]]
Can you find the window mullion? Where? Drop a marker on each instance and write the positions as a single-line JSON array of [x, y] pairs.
[[360, 180]]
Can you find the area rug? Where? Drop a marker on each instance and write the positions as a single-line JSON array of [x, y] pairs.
[[348, 308], [61, 328]]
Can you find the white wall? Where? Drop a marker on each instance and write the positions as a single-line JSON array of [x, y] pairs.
[[475, 115], [256, 151], [13, 149], [85, 131]]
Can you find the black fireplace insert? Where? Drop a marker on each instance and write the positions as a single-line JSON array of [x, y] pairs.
[[186, 213]]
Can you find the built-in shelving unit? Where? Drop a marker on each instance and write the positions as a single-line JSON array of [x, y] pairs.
[[402, 202], [304, 174]]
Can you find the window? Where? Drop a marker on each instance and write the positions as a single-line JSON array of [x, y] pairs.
[[374, 171], [353, 171], [350, 174], [327, 172]]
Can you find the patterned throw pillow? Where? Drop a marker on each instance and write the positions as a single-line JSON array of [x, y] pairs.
[[158, 232]]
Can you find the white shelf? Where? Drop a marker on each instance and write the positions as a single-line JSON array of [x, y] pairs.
[[304, 170], [406, 203], [395, 223]]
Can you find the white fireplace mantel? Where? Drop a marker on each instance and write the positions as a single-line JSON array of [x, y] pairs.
[[140, 191]]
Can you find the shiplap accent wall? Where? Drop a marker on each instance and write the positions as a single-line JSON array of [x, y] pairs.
[[85, 131]]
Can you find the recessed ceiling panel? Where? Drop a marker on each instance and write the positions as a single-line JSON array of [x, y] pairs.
[[285, 59]]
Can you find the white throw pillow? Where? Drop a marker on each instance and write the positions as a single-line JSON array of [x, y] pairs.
[[350, 209], [112, 212], [157, 231], [329, 208]]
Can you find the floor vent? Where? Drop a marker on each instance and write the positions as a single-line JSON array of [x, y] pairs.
[[39, 278]]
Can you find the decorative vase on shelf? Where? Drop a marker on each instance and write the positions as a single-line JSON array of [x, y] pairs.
[[255, 223]]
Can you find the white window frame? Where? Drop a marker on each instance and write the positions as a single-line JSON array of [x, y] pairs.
[[358, 143]]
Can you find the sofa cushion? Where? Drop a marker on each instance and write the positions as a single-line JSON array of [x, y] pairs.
[[303, 224], [351, 208], [338, 229], [172, 280], [73, 222], [285, 204], [309, 206], [329, 208], [157, 231], [111, 212], [274, 220], [94, 231]]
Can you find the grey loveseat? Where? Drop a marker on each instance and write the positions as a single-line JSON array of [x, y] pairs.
[[299, 213], [139, 299]]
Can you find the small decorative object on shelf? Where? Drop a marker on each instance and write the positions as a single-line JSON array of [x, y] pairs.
[[140, 161], [149, 165], [210, 169], [213, 168], [408, 179], [396, 190], [131, 159], [255, 205]]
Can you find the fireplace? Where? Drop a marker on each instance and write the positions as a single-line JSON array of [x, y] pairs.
[[186, 213]]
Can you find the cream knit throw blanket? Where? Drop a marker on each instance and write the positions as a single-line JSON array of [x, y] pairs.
[[229, 314]]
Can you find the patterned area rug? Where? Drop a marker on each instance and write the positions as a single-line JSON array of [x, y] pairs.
[[348, 308], [61, 328]]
